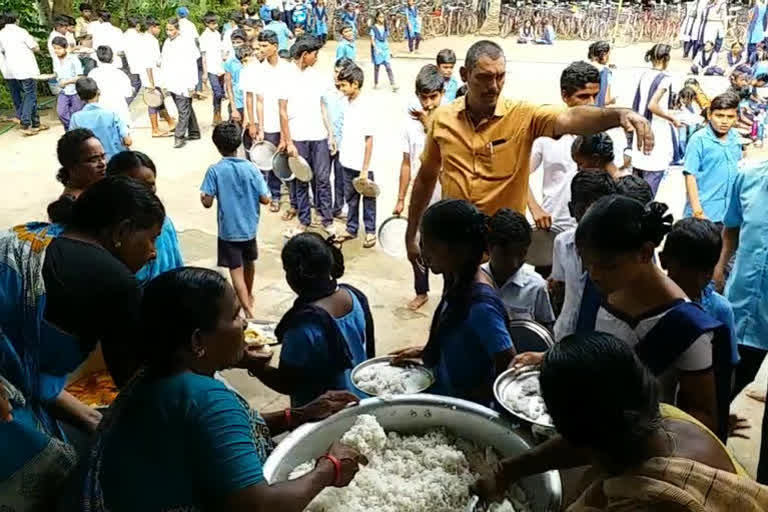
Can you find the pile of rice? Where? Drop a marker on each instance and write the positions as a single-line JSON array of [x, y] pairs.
[[380, 380], [408, 473], [525, 398]]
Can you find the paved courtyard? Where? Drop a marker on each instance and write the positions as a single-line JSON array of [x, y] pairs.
[[29, 165]]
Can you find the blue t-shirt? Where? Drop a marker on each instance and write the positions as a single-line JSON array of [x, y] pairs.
[[168, 254], [265, 13], [467, 353], [720, 309], [234, 67], [281, 31], [182, 442], [105, 124], [305, 348], [237, 185], [714, 164], [451, 87], [346, 49]]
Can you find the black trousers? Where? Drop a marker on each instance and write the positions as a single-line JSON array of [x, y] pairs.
[[751, 360], [187, 122]]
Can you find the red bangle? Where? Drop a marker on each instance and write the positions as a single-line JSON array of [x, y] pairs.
[[336, 468], [288, 418]]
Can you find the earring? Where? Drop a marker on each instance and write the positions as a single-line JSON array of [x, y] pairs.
[[200, 353]]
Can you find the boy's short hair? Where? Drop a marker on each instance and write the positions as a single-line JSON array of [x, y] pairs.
[[346, 27], [105, 16], [210, 17], [305, 44], [268, 36], [598, 145], [173, 21], [86, 88], [151, 21], [446, 56], [589, 186], [725, 101], [343, 62], [635, 187], [762, 77], [276, 15], [508, 227], [59, 41], [253, 23], [429, 80], [238, 34], [85, 7], [227, 137], [352, 74], [237, 17], [577, 75], [243, 52], [104, 54], [694, 243], [60, 20]]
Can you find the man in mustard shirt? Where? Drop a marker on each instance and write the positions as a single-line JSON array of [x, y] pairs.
[[480, 145]]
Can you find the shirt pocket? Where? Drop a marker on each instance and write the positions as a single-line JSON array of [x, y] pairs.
[[499, 160]]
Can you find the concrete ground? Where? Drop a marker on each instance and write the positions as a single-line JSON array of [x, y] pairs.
[[29, 166]]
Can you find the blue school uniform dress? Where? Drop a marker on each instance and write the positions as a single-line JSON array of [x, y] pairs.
[[237, 186], [380, 48], [412, 22], [324, 348], [606, 77], [300, 16], [756, 29], [747, 287], [105, 124], [234, 67], [462, 352], [203, 441], [168, 254], [349, 18], [321, 20], [714, 164], [346, 49]]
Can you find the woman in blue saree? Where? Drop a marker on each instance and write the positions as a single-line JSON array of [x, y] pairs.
[[177, 438], [63, 290], [139, 166]]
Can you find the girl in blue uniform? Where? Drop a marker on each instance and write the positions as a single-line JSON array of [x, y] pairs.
[[380, 54], [469, 342], [329, 329], [412, 26], [756, 28], [349, 17], [320, 14]]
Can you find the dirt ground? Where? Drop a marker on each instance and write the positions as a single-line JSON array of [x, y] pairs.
[[29, 166]]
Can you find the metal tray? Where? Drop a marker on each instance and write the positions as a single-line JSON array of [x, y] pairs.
[[265, 328], [385, 361], [392, 236], [513, 377]]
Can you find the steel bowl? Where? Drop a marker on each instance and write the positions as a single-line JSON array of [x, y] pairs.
[[415, 414], [512, 377], [280, 167], [300, 168], [386, 361], [261, 154], [152, 98]]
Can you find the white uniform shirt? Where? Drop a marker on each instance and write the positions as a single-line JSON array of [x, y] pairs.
[[134, 52], [212, 48], [152, 58], [697, 357], [412, 142], [553, 158], [106, 34], [71, 43], [566, 267], [188, 29], [273, 87], [114, 88], [274, 4], [17, 44], [179, 65], [305, 116], [359, 123], [663, 150], [525, 295]]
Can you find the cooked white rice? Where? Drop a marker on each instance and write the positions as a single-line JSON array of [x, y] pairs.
[[408, 473], [380, 380]]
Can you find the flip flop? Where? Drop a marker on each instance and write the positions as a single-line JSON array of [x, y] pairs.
[[274, 206], [370, 241], [290, 214]]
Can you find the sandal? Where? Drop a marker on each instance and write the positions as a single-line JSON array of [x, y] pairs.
[[370, 241], [274, 206], [289, 214], [344, 237]]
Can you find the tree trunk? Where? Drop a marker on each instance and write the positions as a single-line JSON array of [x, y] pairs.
[[62, 7], [490, 26], [45, 11]]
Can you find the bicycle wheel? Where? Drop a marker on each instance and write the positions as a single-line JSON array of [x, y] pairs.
[[625, 35]]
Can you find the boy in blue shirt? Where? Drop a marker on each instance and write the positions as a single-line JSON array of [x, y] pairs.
[[239, 187], [108, 127], [446, 61], [691, 252], [712, 161], [280, 29], [346, 48], [232, 69]]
